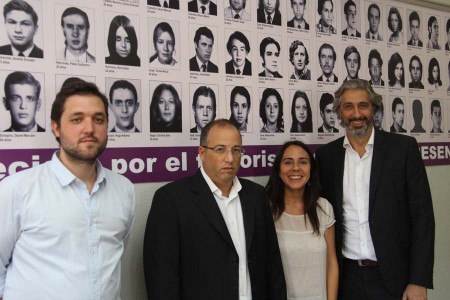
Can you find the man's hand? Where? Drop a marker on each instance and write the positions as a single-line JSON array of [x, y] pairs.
[[413, 292]]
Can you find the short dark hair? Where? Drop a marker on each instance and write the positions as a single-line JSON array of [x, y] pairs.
[[447, 27], [414, 16], [373, 5], [122, 84], [262, 113], [206, 92], [239, 90], [22, 6], [396, 102], [327, 46], [347, 6], [434, 103], [79, 87], [220, 123], [125, 23], [415, 57], [237, 35], [434, 63], [320, 5], [325, 100], [394, 10], [375, 54], [352, 49], [203, 31], [265, 42], [19, 77], [295, 44], [304, 2], [393, 62], [431, 20], [75, 11]]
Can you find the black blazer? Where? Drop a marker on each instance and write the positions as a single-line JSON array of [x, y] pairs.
[[345, 32], [189, 253], [175, 4], [410, 43], [193, 66], [39, 129], [401, 218], [229, 68], [36, 52], [261, 17], [291, 24], [192, 7], [320, 129]]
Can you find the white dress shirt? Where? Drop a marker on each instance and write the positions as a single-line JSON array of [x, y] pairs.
[[231, 210], [357, 239], [57, 241]]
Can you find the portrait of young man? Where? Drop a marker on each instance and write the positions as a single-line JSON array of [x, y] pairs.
[[377, 184], [238, 47], [327, 60], [433, 34], [352, 60], [174, 4], [374, 18], [124, 103], [298, 9], [414, 29], [22, 100], [398, 115], [269, 51], [436, 116], [299, 58], [327, 114], [204, 107], [21, 24], [75, 26], [378, 116], [447, 30], [236, 10], [63, 234], [205, 7], [415, 70], [203, 43], [351, 15], [375, 64], [269, 12], [325, 10]]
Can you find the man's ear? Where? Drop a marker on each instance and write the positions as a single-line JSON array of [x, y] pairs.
[[6, 103], [321, 115], [55, 128], [38, 104]]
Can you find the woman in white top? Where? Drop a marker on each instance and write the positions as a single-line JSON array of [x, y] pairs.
[[304, 224]]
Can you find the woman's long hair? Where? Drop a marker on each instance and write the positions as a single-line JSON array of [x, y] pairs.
[[160, 29], [116, 23], [275, 188], [307, 125], [156, 122]]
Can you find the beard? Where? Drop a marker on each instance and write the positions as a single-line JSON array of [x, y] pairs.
[[87, 155], [358, 132]]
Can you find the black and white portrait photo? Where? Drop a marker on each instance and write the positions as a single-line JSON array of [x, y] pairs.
[[204, 46], [433, 33], [238, 49], [22, 29], [204, 106], [271, 110], [204, 7], [352, 61], [414, 29], [326, 21], [326, 113], [327, 62], [23, 102], [398, 115], [396, 71], [174, 4], [298, 17], [165, 107], [374, 16], [415, 72], [436, 116], [269, 52], [301, 112], [395, 25], [240, 107], [434, 74], [237, 9], [75, 41], [352, 19], [299, 58], [417, 114], [375, 65], [163, 46], [269, 12]]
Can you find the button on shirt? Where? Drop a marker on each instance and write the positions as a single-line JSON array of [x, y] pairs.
[[231, 210], [357, 239], [57, 241]]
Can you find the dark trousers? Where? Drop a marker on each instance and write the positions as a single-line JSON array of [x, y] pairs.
[[363, 283]]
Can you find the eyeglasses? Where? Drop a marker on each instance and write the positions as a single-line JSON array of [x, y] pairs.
[[221, 150]]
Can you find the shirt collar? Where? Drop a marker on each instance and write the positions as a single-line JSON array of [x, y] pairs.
[[117, 129], [369, 142], [71, 57], [26, 53], [200, 64], [216, 191], [65, 177]]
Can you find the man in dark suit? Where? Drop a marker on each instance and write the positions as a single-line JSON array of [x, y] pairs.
[[123, 101], [378, 186], [398, 115], [351, 17], [211, 235], [414, 27], [269, 12], [327, 59], [204, 108], [22, 101], [204, 42], [238, 47], [298, 21], [327, 114], [373, 16], [375, 64], [207, 7], [21, 23], [174, 4]]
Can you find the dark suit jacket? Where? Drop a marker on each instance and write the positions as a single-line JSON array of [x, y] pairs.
[[39, 129], [401, 218], [345, 32], [262, 17], [320, 129], [175, 4], [189, 253], [135, 130], [229, 68], [35, 53], [334, 80], [291, 24], [193, 66], [410, 43], [193, 130], [192, 7]]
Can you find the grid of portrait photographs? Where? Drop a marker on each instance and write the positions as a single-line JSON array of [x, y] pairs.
[[170, 67]]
